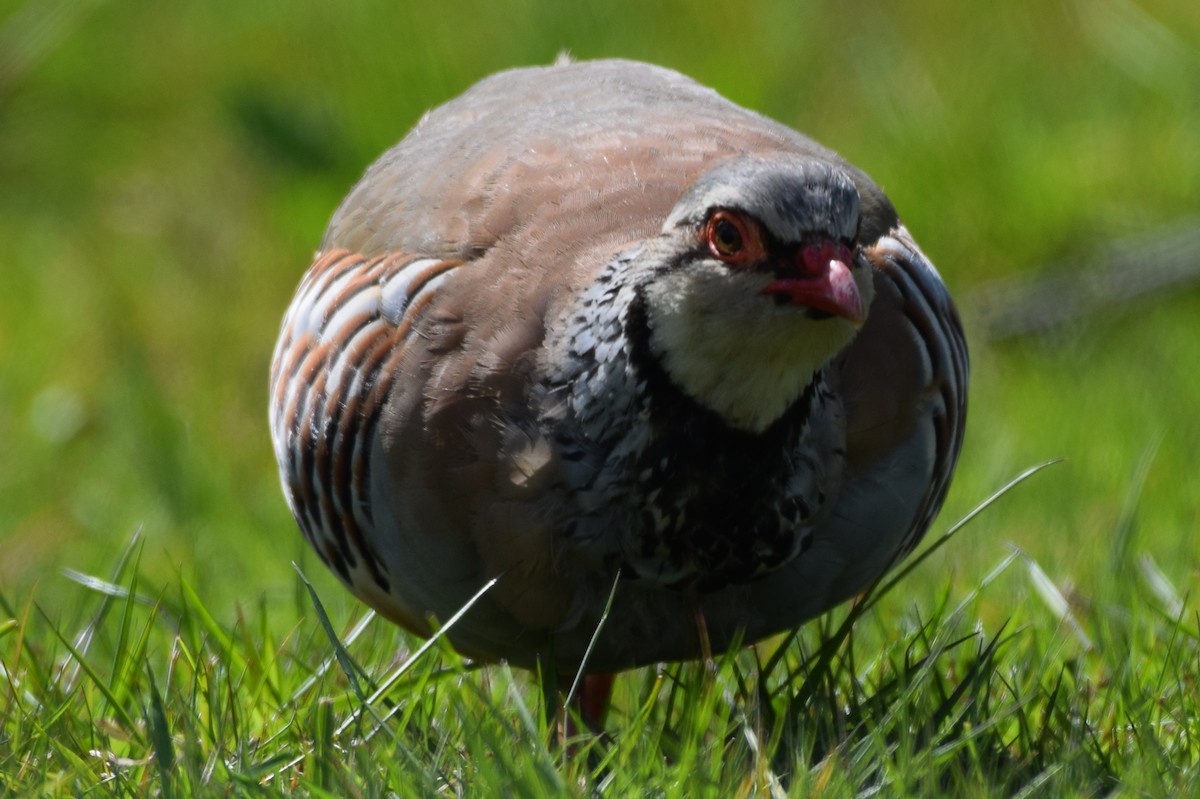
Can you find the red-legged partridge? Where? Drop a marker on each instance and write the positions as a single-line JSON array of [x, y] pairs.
[[594, 319]]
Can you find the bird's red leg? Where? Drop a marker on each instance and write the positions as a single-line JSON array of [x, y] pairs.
[[594, 695], [588, 705], [706, 653]]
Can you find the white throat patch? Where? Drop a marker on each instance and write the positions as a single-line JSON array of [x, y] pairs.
[[733, 350]]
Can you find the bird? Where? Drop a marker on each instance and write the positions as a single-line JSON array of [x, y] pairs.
[[632, 373]]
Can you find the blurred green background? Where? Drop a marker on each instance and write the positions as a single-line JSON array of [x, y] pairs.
[[166, 171]]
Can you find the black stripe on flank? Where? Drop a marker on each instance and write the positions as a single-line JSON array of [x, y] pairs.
[[348, 492], [325, 271], [330, 410], [325, 432]]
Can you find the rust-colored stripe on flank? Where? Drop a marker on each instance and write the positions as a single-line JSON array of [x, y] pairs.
[[417, 305], [428, 273], [328, 267], [282, 404], [352, 417], [368, 357], [299, 392], [324, 431], [327, 445], [330, 514], [331, 266], [312, 444], [348, 492], [367, 278], [306, 442], [320, 277], [380, 363], [291, 356], [304, 499], [415, 279], [324, 452], [298, 348], [377, 395], [361, 425]]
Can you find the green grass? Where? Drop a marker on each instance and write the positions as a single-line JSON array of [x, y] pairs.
[[165, 173], [151, 693]]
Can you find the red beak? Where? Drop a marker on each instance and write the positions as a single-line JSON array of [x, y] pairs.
[[821, 280]]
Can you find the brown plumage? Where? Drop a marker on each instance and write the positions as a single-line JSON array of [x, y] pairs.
[[593, 319]]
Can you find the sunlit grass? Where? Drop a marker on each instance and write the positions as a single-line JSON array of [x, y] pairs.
[[152, 694]]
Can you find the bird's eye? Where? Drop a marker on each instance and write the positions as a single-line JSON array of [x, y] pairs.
[[731, 238], [726, 238]]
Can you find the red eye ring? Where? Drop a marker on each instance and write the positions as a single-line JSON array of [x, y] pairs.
[[733, 238]]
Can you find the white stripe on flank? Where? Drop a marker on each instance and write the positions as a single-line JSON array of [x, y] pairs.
[[395, 296], [365, 301], [429, 287], [308, 308]]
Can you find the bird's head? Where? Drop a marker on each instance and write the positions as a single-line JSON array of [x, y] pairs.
[[764, 283]]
